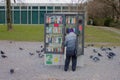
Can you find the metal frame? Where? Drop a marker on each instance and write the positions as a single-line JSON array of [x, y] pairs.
[[77, 25], [45, 30]]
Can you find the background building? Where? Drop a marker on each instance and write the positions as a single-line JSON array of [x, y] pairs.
[[33, 13]]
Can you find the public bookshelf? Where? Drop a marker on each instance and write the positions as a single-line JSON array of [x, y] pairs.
[[55, 31]]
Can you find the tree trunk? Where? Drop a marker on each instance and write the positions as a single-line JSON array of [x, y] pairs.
[[9, 20]]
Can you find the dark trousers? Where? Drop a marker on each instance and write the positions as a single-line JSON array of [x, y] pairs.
[[67, 61]]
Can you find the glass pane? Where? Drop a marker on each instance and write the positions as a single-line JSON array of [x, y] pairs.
[[2, 7], [34, 17], [42, 17], [50, 7], [16, 17], [16, 7], [57, 7], [2, 17], [42, 7], [34, 7], [29, 17], [23, 17]]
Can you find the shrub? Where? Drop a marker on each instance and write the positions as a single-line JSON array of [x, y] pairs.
[[115, 24], [98, 21], [108, 21]]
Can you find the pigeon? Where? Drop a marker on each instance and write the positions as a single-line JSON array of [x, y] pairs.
[[95, 51], [40, 55], [88, 45], [109, 49], [114, 47], [41, 46], [10, 41], [91, 56], [42, 50], [96, 59], [2, 52], [92, 45], [111, 55], [21, 48], [103, 49], [3, 56], [99, 55], [11, 71], [31, 53], [37, 51]]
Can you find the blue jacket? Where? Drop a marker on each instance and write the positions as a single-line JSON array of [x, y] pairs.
[[70, 41]]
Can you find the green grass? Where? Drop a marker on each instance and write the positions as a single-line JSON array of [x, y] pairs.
[[36, 33], [96, 34], [22, 33]]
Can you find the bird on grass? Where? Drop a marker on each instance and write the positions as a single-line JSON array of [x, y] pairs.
[[88, 45], [2, 52], [12, 71], [92, 45], [3, 56], [114, 47]]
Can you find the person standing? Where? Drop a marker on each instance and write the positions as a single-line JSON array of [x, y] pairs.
[[70, 43]]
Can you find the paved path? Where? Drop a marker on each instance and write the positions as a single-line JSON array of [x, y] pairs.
[[29, 67]]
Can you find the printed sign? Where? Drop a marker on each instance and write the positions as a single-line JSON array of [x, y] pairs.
[[54, 59], [49, 58]]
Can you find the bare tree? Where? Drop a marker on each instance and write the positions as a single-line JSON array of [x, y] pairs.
[[114, 5], [9, 15], [97, 9], [9, 20], [77, 5]]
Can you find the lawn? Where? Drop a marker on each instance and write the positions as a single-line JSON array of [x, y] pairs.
[[98, 35], [23, 33], [36, 33]]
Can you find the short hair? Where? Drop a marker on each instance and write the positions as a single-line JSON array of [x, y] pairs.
[[71, 30]]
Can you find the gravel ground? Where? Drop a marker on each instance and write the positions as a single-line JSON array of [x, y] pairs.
[[31, 67]]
